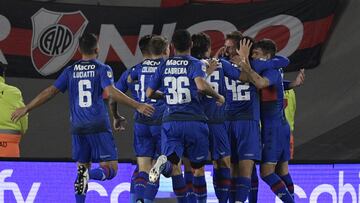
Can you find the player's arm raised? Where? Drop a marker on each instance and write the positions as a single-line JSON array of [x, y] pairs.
[[252, 76], [40, 99], [120, 97]]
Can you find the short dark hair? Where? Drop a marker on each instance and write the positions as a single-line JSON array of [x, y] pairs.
[[3, 68], [88, 43], [181, 40], [201, 44], [158, 45], [144, 44], [267, 46], [235, 36]]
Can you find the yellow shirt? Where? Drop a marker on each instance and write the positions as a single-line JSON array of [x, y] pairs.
[[11, 99], [290, 108]]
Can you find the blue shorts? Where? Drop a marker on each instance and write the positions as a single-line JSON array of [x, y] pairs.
[[245, 140], [276, 143], [219, 141], [147, 140], [186, 138], [98, 147]]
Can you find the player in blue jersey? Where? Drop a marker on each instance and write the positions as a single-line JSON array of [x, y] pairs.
[[275, 129], [243, 115], [92, 140], [147, 137], [133, 86], [219, 139], [184, 129]]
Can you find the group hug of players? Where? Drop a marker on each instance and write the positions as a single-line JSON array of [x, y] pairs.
[[190, 119], [187, 105]]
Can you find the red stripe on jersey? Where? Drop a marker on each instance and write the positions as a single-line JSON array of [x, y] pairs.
[[268, 94]]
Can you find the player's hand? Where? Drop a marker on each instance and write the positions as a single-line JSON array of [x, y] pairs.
[[300, 78], [236, 60], [211, 65], [146, 109], [244, 51], [119, 124], [220, 100], [18, 113], [220, 52]]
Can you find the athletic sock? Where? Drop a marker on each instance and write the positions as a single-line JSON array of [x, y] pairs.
[[278, 187], [222, 184], [179, 188], [289, 184], [254, 186], [189, 186], [200, 189], [140, 184], [243, 185]]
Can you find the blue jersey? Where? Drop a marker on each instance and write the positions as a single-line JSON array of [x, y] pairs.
[[242, 98], [123, 85], [215, 113], [143, 74], [176, 75], [85, 81], [272, 97]]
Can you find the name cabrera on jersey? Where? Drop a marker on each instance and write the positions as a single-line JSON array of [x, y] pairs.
[[215, 113], [142, 73], [176, 76], [85, 81]]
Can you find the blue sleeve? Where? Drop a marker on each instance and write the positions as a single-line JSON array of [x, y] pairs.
[[156, 78], [61, 82], [272, 75], [260, 66], [198, 70], [134, 73], [286, 84], [280, 61], [106, 77], [122, 84], [230, 71]]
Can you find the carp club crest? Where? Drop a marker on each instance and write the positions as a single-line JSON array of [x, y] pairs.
[[55, 39]]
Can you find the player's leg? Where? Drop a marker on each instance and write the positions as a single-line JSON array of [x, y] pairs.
[[153, 187], [220, 153], [247, 133], [254, 186], [168, 164], [188, 175], [132, 184], [197, 149], [144, 150], [233, 160], [269, 161], [282, 168], [81, 153], [104, 151]]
